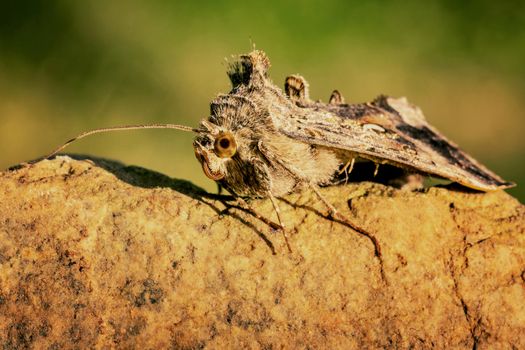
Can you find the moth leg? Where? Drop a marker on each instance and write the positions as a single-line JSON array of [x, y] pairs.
[[296, 88], [376, 169], [278, 212], [336, 98], [334, 213], [351, 166], [344, 171], [347, 170]]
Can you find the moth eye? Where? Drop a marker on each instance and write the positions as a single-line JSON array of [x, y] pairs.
[[225, 146]]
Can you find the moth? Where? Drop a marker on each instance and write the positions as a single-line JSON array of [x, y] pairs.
[[259, 141]]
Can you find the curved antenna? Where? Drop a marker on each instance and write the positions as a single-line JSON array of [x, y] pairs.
[[120, 128]]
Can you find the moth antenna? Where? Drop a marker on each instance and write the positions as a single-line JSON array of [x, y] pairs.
[[120, 128]]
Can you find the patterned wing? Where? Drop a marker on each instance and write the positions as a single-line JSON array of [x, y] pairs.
[[389, 130]]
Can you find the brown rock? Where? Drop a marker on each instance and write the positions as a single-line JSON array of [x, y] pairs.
[[99, 255]]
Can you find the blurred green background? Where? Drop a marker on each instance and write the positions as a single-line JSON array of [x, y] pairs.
[[70, 66]]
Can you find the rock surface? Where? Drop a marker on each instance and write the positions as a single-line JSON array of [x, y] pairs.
[[94, 254]]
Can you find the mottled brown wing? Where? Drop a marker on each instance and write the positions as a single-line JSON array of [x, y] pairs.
[[392, 131]]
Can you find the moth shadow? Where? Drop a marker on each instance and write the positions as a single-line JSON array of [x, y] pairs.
[[319, 213], [384, 174], [398, 178], [145, 178], [455, 187]]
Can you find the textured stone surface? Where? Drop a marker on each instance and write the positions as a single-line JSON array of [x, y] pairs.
[[98, 255]]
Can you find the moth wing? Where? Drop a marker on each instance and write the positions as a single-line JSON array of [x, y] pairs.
[[392, 131]]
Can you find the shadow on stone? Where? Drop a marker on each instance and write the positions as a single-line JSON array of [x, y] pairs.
[[145, 178]]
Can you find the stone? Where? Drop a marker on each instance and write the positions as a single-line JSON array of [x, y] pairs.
[[96, 254]]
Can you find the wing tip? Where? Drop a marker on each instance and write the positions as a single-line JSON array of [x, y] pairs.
[[491, 187]]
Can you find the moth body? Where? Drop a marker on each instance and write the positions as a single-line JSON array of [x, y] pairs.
[[260, 141], [285, 140]]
